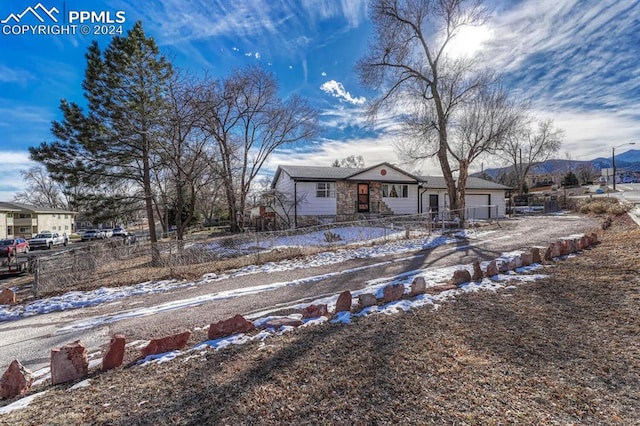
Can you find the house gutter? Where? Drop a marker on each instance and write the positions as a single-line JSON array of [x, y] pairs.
[[295, 204], [420, 194]]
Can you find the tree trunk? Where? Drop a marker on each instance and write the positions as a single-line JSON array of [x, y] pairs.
[[462, 188], [148, 200]]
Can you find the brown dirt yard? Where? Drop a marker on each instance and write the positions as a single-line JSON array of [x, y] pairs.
[[563, 350]]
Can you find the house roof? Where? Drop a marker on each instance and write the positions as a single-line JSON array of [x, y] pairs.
[[472, 183], [12, 206], [315, 173]]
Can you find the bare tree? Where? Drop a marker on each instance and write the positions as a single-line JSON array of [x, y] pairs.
[[354, 161], [586, 172], [41, 189], [408, 63], [186, 152], [248, 122], [527, 146]]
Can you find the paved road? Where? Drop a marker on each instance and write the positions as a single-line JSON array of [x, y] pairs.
[[31, 339]]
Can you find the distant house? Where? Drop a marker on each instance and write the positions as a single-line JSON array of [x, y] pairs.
[[311, 195], [24, 220]]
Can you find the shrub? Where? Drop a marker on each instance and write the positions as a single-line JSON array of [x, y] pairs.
[[604, 205]]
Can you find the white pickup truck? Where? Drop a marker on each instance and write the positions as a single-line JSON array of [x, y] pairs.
[[48, 239]]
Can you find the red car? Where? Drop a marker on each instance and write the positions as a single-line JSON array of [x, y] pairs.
[[13, 246]]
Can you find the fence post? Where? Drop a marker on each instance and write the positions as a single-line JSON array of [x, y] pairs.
[[36, 275]]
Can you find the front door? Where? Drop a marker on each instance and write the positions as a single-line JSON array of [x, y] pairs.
[[363, 198], [433, 205]]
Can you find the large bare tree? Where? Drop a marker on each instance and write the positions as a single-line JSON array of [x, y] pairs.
[[529, 145], [248, 121], [186, 152], [409, 64], [41, 190]]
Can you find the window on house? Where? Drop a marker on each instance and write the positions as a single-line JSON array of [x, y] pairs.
[[393, 190], [325, 190]]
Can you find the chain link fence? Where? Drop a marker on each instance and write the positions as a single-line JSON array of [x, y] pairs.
[[114, 262]]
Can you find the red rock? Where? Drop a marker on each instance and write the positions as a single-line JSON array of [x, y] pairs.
[[553, 251], [492, 269], [366, 299], [68, 363], [460, 276], [344, 302], [593, 239], [115, 354], [418, 286], [236, 324], [315, 311], [583, 244], [573, 245], [392, 292], [16, 381], [7, 297], [282, 322], [527, 259], [564, 247], [166, 344], [477, 271], [440, 288], [536, 257]]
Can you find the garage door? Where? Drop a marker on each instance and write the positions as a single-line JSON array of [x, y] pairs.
[[477, 206]]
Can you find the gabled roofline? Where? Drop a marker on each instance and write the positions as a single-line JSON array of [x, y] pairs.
[[386, 164]]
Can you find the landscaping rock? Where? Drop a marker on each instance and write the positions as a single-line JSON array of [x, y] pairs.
[[344, 301], [276, 323], [418, 286], [7, 297], [536, 257], [69, 363], [460, 276], [315, 311], [392, 292], [166, 344], [366, 299], [16, 381], [236, 324], [115, 354], [477, 271], [526, 259], [440, 288], [492, 269]]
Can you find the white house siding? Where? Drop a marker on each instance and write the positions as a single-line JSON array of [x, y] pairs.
[[473, 199], [476, 202], [284, 185], [310, 204], [404, 205]]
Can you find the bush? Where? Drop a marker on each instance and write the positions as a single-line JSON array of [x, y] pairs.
[[604, 205]]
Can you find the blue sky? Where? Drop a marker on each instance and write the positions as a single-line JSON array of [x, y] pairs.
[[577, 60]]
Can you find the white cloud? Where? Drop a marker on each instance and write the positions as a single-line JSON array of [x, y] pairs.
[[11, 182], [336, 89], [8, 75], [324, 74]]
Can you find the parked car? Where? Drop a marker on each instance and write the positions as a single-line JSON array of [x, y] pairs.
[[13, 246], [48, 239], [92, 234], [119, 232]]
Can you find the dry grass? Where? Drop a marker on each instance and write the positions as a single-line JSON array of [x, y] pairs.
[[565, 350]]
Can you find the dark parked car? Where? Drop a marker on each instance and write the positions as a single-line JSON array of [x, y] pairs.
[[13, 246]]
